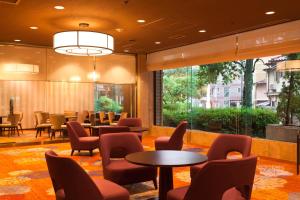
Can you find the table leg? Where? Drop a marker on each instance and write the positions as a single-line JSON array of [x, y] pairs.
[[165, 182], [297, 154]]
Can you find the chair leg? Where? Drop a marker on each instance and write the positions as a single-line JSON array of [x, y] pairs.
[[90, 131], [37, 132], [78, 151], [155, 183], [91, 152], [21, 128], [17, 130], [72, 152]]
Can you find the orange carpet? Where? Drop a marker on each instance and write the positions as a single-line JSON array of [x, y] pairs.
[[24, 175]]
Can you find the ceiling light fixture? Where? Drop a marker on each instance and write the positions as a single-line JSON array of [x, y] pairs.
[[59, 7], [94, 75], [270, 13], [157, 42], [126, 50], [202, 31], [17, 40], [34, 27], [83, 43], [141, 21]]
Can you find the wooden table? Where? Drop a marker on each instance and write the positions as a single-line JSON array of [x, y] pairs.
[[166, 160], [138, 129]]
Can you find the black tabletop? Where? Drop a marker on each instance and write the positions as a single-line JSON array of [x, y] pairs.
[[166, 158]]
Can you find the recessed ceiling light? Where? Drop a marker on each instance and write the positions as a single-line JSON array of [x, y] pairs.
[[119, 30], [202, 31], [126, 50], [17, 40], [34, 27], [270, 13], [59, 7], [157, 42], [141, 21]]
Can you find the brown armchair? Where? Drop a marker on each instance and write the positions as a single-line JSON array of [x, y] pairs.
[[70, 181], [220, 180], [174, 142], [223, 145], [79, 139], [121, 171]]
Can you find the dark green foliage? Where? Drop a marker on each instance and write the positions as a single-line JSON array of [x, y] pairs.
[[223, 120], [107, 104]]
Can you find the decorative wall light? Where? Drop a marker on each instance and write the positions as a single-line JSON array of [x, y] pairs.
[[22, 68], [83, 43]]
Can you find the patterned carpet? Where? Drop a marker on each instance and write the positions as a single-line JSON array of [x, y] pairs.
[[24, 175]]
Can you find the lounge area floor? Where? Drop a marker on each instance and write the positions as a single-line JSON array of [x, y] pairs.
[[24, 175]]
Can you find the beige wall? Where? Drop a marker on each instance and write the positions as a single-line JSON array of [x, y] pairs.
[[115, 68], [52, 89]]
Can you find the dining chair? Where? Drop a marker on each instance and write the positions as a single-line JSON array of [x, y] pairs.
[[102, 118], [220, 180], [111, 117], [20, 121], [57, 124], [94, 121], [121, 171], [12, 126], [223, 145], [175, 142], [79, 139], [70, 181], [123, 115]]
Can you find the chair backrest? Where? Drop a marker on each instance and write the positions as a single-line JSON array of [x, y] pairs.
[[130, 122], [14, 118], [123, 115], [21, 115], [92, 119], [217, 176], [111, 116], [226, 143], [126, 142], [57, 120], [77, 128], [42, 117], [176, 140], [101, 116], [66, 174]]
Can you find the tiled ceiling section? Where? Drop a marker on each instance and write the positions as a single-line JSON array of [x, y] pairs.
[[170, 23]]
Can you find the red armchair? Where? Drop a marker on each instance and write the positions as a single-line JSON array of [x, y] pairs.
[[175, 142], [223, 145], [70, 181], [121, 171], [220, 180], [79, 139]]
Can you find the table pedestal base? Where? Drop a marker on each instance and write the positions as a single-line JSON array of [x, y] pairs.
[[165, 182]]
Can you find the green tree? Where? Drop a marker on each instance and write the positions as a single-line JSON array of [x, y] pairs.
[[289, 97], [107, 104]]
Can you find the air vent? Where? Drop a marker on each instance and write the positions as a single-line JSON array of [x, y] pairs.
[[13, 2]]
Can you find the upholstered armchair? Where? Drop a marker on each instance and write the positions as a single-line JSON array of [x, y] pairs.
[[70, 181], [121, 171], [220, 180], [223, 145], [132, 122], [79, 139], [175, 142]]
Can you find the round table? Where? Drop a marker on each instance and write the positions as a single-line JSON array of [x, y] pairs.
[[166, 160]]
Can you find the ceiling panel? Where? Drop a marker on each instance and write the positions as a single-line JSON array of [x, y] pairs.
[[172, 22]]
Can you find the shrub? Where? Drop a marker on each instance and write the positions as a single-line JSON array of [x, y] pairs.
[[107, 104], [224, 120]]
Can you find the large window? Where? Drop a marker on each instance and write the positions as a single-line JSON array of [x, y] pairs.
[[240, 97], [115, 98]]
